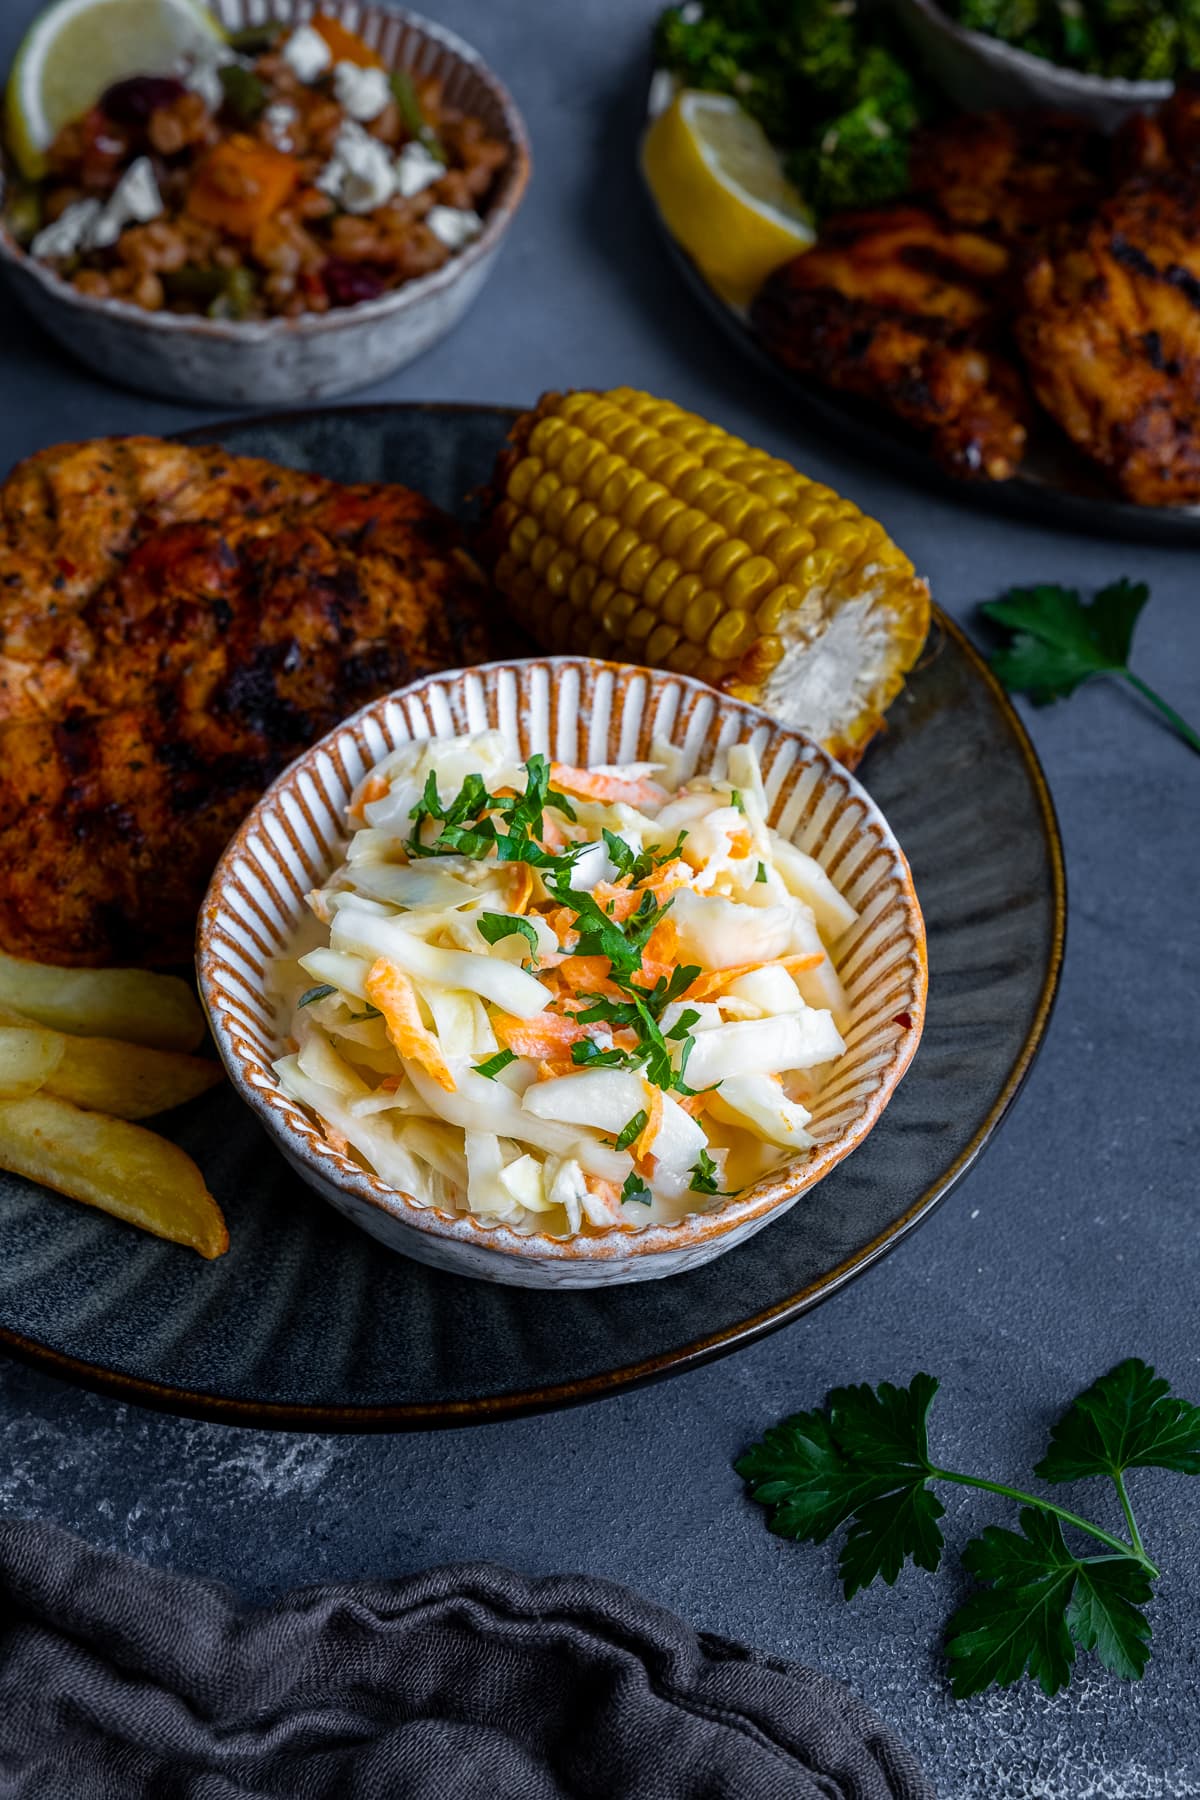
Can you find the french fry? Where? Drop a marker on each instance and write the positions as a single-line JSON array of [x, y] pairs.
[[128, 1080], [108, 1163], [133, 1004], [28, 1057]]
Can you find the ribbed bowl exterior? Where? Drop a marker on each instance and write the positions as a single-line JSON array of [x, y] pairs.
[[315, 356], [583, 712]]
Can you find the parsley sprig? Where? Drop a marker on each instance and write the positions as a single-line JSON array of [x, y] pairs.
[[863, 1462], [1059, 641], [469, 825]]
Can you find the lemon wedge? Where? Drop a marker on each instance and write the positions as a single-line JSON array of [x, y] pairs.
[[722, 192], [77, 48]]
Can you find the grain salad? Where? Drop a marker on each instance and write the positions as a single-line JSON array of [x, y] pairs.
[[278, 172]]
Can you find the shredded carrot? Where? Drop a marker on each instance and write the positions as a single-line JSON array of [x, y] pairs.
[[391, 990], [523, 889], [610, 1193], [617, 900], [741, 841], [692, 1104], [553, 836], [588, 784], [551, 1070], [662, 946], [644, 1142], [391, 1084], [587, 974], [667, 877], [561, 921], [542, 1037], [717, 980]]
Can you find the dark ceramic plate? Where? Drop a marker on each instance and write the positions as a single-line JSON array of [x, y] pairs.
[[308, 1323], [1056, 484]]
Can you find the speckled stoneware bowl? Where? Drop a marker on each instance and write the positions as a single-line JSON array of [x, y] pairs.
[[978, 72], [318, 354], [582, 712]]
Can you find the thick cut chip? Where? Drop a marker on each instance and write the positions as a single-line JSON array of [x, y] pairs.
[[28, 1057], [108, 1163], [131, 1004]]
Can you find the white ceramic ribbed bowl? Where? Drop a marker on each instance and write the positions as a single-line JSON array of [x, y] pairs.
[[228, 362], [979, 72], [583, 712]]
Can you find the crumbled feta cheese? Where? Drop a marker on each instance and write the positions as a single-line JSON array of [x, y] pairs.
[[416, 169], [360, 175], [691, 13], [361, 93], [200, 70], [134, 201], [454, 226], [307, 55], [279, 119], [68, 233]]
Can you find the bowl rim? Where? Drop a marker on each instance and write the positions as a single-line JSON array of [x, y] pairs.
[[620, 1243], [1024, 63], [500, 214]]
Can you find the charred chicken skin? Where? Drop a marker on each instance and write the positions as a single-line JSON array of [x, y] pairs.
[[1013, 175], [1110, 332], [176, 624], [896, 305]]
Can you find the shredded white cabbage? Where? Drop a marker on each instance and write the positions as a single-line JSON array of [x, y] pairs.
[[568, 1000]]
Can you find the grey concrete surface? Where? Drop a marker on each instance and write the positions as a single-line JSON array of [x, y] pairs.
[[1072, 1244]]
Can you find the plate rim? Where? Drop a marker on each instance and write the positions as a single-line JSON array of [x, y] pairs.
[[305, 1416]]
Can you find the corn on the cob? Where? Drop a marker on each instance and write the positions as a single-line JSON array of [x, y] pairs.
[[623, 527]]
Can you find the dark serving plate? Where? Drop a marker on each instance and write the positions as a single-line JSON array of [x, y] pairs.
[[1056, 485], [309, 1324]]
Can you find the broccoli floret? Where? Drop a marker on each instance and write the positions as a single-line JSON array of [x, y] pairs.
[[859, 161]]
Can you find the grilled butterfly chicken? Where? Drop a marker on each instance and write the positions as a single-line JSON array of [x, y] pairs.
[[176, 624]]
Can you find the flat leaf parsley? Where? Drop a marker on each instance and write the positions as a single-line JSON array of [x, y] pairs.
[[1059, 641], [863, 1462]]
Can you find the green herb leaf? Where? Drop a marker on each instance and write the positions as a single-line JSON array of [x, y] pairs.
[[321, 992], [1129, 1419], [1104, 1613], [761, 874], [1019, 1623], [735, 799], [587, 1054], [405, 96], [684, 1022], [493, 927], [633, 1130], [704, 1176], [491, 1066], [635, 1192], [368, 1012], [1060, 641]]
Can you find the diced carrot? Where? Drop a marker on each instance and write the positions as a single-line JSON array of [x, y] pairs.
[[741, 841], [542, 1037], [644, 1142], [552, 1069], [617, 900], [240, 183], [345, 45], [717, 980], [668, 877], [613, 789], [391, 990], [561, 921]]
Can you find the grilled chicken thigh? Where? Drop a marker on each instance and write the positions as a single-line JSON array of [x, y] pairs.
[[1110, 332], [896, 305], [176, 624]]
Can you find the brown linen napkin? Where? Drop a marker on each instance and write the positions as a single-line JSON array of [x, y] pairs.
[[123, 1682]]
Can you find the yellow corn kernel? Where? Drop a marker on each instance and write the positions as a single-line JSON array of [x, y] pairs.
[[732, 633], [658, 581], [543, 554], [780, 600], [558, 572], [637, 568], [750, 581], [684, 658], [577, 521], [559, 509], [617, 549], [701, 615], [522, 479], [579, 589], [618, 613], [679, 597], [602, 593], [597, 537], [523, 537], [639, 626], [660, 643], [700, 544]]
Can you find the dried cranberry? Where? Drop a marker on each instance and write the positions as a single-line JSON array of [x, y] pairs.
[[347, 283], [131, 102]]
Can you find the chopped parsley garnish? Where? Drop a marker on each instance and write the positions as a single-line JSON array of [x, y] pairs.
[[762, 873], [735, 799], [321, 992], [491, 1066], [368, 1012], [704, 1176], [469, 830], [635, 1192], [494, 926], [633, 1130], [637, 864]]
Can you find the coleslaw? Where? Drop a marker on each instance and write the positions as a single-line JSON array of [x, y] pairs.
[[564, 999]]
